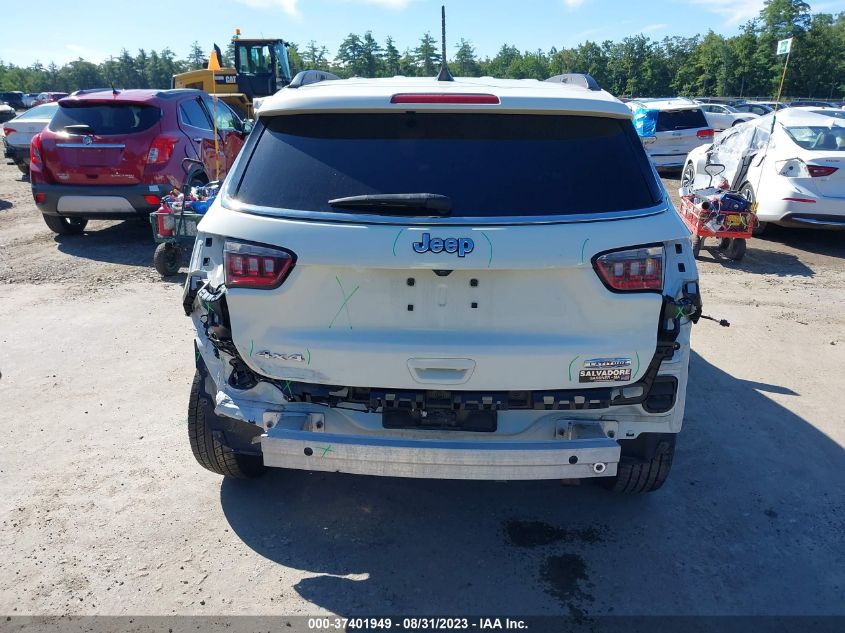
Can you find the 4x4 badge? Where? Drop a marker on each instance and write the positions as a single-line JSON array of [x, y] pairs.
[[461, 245]]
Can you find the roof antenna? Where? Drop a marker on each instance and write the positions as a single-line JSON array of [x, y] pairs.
[[444, 75]]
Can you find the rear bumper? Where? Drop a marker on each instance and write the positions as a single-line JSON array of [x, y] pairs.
[[594, 456], [15, 153], [668, 161], [105, 202]]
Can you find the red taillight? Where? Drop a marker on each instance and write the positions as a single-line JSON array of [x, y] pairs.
[[151, 199], [708, 133], [40, 197], [161, 150], [254, 266], [35, 150], [7, 131], [470, 99], [817, 171], [632, 270], [800, 200]]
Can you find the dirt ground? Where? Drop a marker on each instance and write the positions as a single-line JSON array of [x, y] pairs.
[[104, 511]]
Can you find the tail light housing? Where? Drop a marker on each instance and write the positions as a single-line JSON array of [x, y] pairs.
[[35, 150], [161, 150], [8, 131], [632, 270], [797, 168], [256, 266], [706, 133], [818, 171]]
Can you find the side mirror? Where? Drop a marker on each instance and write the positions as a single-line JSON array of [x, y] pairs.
[[713, 169]]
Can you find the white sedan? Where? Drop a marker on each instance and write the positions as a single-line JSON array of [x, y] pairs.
[[18, 132], [721, 117], [790, 164]]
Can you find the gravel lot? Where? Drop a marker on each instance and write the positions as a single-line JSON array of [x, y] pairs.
[[104, 510]]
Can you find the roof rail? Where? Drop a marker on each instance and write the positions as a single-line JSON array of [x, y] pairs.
[[86, 91], [306, 77], [576, 79]]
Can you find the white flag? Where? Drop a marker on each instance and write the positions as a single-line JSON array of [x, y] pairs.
[[784, 47]]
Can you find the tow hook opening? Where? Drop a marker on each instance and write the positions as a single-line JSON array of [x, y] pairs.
[[599, 467]]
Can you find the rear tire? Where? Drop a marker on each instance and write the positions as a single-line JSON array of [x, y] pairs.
[[210, 453], [688, 175], [697, 243], [22, 166], [635, 475], [65, 226], [167, 259], [736, 249]]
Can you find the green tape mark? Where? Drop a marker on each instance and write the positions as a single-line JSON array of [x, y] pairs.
[[344, 305], [489, 259], [308, 351], [198, 355], [570, 366], [396, 240], [583, 246], [251, 348], [327, 449], [287, 386], [637, 370]]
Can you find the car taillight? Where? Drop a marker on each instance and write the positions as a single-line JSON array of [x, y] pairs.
[[161, 150], [152, 200], [35, 150], [8, 131], [631, 270], [797, 168], [708, 133], [255, 266], [817, 171], [474, 99]]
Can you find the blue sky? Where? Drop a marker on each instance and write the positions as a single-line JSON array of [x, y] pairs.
[[58, 30]]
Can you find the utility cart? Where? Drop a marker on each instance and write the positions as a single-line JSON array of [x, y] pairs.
[[175, 224], [719, 213]]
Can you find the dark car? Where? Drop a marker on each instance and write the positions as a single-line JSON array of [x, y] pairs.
[[14, 99], [802, 103], [113, 155]]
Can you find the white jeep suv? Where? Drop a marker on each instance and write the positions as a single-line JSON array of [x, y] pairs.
[[468, 279]]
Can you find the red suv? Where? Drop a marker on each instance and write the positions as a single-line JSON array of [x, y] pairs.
[[113, 154]]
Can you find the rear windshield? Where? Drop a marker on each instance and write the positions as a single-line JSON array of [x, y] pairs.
[[107, 119], [495, 165], [671, 120], [829, 139]]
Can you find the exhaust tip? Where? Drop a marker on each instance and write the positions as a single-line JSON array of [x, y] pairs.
[[599, 467]]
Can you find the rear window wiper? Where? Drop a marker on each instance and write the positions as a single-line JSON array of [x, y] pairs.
[[78, 128], [426, 204]]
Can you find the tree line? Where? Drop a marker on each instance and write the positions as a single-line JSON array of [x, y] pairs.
[[708, 65]]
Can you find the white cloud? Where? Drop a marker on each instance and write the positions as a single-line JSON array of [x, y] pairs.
[[734, 11], [653, 27], [573, 4], [288, 6]]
